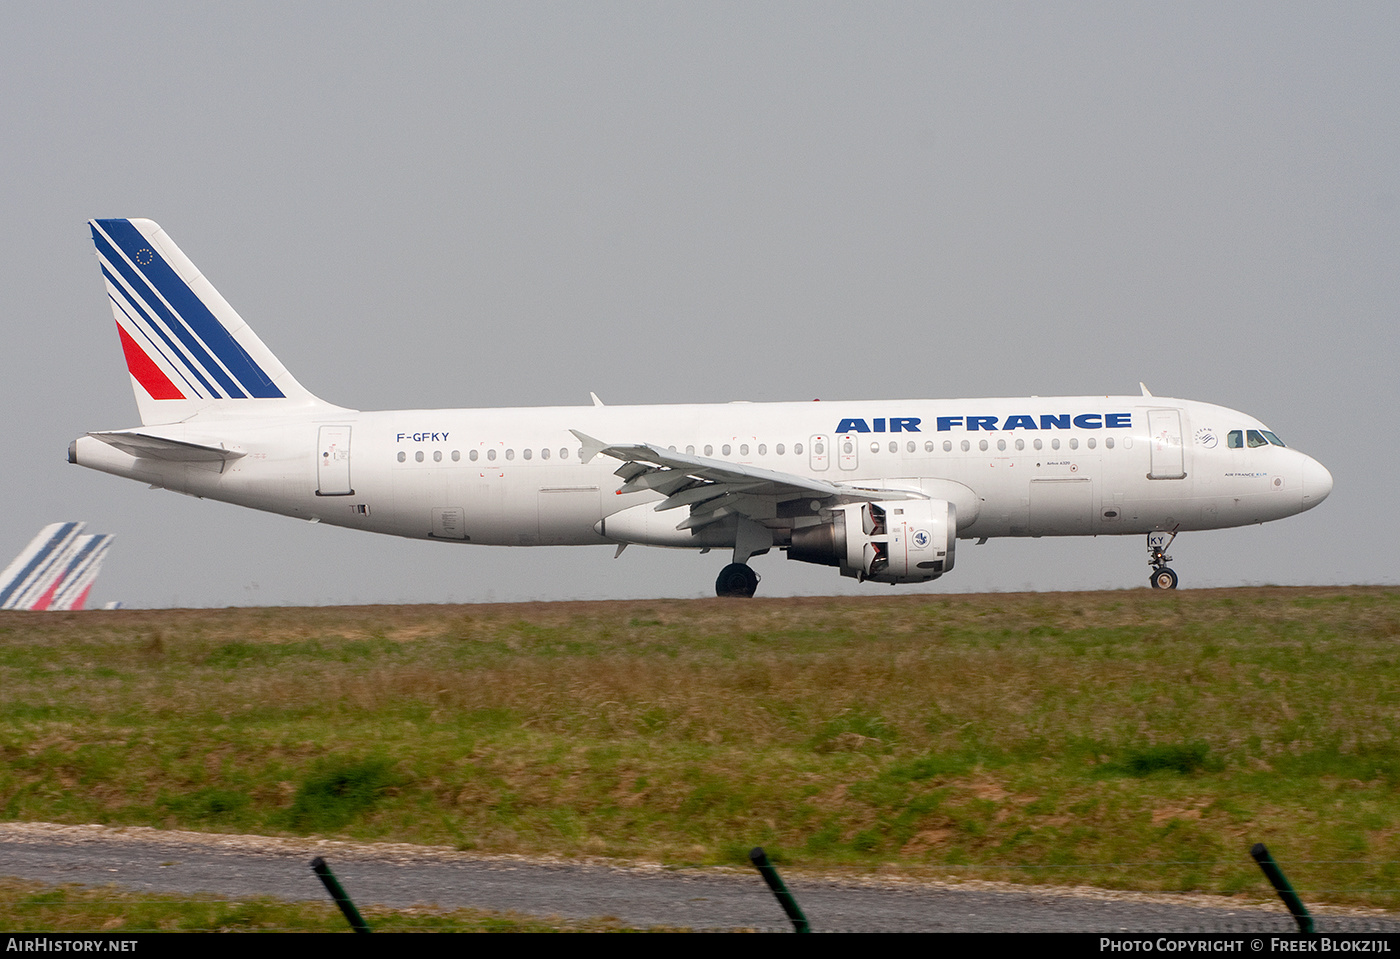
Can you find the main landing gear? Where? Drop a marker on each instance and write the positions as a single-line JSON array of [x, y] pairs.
[[737, 579], [1163, 577]]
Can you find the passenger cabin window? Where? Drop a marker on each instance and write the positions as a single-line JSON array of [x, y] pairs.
[[472, 456], [402, 456], [778, 448], [797, 449]]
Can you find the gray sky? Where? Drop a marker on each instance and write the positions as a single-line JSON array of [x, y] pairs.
[[511, 204]]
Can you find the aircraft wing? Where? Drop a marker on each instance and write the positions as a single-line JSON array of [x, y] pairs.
[[715, 489]]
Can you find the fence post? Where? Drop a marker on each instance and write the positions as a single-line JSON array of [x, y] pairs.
[[1300, 913], [759, 858], [338, 893]]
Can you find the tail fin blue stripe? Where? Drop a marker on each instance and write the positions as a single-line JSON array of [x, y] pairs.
[[168, 319], [82, 555], [181, 359], [80, 571], [39, 561], [192, 310]]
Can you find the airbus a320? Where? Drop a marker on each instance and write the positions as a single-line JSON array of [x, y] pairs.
[[880, 490]]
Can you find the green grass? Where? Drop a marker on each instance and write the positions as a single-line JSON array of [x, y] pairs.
[[1033, 737]]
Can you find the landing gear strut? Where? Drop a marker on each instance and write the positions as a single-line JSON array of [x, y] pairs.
[[1163, 577], [736, 579]]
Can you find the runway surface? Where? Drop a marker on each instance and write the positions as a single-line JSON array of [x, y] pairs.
[[149, 860]]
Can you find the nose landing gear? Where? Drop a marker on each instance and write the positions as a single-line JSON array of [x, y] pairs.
[[1163, 577]]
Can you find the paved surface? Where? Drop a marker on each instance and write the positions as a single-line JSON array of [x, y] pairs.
[[398, 875]]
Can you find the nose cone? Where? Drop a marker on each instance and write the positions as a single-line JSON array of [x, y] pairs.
[[1317, 483]]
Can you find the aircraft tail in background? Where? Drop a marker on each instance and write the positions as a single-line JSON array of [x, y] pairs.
[[56, 570]]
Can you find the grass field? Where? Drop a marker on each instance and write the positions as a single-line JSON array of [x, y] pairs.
[[1132, 739]]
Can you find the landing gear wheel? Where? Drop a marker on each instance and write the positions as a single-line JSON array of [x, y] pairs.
[[1163, 578], [736, 579]]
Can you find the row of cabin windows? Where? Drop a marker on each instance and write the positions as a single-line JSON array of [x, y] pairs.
[[847, 447], [911, 446], [727, 449], [1018, 443], [474, 455]]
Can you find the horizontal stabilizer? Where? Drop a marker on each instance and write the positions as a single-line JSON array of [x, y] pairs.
[[144, 445]]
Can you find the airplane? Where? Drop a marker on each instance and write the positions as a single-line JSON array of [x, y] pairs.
[[880, 490], [56, 570]]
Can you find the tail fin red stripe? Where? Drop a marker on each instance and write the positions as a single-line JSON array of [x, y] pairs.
[[152, 380]]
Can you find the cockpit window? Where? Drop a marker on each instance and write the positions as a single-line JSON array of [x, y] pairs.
[[1256, 438], [1235, 440], [1273, 440]]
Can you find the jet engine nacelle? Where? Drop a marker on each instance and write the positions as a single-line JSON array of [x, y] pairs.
[[906, 541]]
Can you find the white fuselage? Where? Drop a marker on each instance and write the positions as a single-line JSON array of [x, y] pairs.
[[1038, 466]]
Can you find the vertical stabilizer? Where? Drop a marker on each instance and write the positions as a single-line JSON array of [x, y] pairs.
[[56, 570], [186, 348], [81, 572]]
